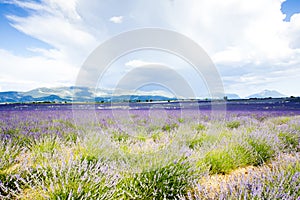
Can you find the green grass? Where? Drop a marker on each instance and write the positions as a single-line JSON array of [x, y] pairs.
[[199, 127], [233, 124], [165, 182], [226, 159], [8, 154], [197, 140], [120, 136], [279, 180], [170, 127], [262, 149], [290, 140], [219, 161]]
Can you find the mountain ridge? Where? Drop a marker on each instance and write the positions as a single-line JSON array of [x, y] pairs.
[[77, 94], [266, 94], [85, 94]]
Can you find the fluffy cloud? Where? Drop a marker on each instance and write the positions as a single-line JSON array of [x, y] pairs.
[[294, 31], [58, 24], [24, 73], [249, 42], [116, 19]]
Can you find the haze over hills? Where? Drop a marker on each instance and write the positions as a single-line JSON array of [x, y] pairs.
[[85, 94], [266, 94], [81, 94]]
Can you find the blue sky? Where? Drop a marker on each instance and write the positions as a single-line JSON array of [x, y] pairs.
[[290, 7], [254, 46], [14, 40]]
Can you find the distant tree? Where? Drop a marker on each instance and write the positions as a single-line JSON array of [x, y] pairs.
[[225, 98]]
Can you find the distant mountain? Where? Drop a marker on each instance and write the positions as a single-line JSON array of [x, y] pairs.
[[79, 94], [233, 96], [85, 94], [10, 96], [266, 94]]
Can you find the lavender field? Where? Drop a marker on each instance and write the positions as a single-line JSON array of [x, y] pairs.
[[56, 152]]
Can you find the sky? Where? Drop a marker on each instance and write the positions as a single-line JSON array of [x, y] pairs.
[[254, 44]]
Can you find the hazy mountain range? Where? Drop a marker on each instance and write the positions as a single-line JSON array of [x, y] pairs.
[[266, 94], [84, 94], [80, 94]]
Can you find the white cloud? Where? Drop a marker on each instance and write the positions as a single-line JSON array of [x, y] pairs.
[[229, 55], [140, 63], [254, 28], [116, 19], [294, 31], [30, 72], [248, 40], [70, 41], [251, 30], [251, 37], [54, 7], [57, 23]]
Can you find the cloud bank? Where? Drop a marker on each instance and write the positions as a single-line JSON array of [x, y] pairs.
[[249, 41]]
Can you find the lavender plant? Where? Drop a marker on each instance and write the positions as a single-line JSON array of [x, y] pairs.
[[52, 154]]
